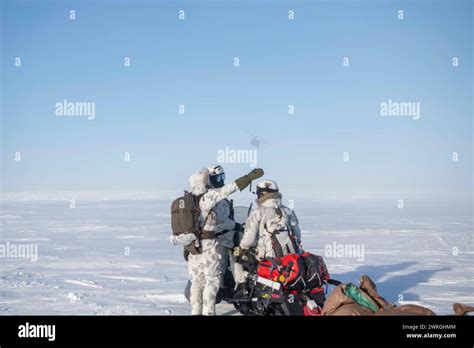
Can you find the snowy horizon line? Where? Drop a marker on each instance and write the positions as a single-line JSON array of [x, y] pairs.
[[170, 194]]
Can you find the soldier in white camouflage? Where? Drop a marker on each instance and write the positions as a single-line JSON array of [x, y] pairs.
[[205, 268], [225, 228], [271, 229]]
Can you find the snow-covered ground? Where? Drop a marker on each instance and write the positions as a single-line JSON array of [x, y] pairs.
[[111, 255]]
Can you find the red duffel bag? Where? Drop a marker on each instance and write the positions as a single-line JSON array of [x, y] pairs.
[[294, 271], [288, 270]]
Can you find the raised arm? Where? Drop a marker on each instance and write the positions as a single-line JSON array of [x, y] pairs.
[[210, 198]]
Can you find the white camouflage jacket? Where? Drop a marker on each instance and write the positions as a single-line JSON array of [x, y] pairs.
[[265, 221], [214, 203]]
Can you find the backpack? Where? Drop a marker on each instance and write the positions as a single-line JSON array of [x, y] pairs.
[[283, 240], [185, 214], [316, 271]]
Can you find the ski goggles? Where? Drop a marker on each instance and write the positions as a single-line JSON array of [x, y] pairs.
[[261, 191], [217, 180]]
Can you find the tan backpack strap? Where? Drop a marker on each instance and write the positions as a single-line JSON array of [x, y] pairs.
[[206, 219]]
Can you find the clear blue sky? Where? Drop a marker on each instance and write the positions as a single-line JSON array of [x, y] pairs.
[[282, 62]]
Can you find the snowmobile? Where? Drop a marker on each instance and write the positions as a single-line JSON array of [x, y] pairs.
[[295, 284]]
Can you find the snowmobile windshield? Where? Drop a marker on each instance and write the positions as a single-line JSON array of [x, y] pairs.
[[240, 214]]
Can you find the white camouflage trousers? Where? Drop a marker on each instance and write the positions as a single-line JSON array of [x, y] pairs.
[[205, 272]]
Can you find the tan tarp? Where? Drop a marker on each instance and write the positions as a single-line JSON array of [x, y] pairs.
[[338, 303]]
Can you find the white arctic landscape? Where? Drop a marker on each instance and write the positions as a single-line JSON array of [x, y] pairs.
[[110, 255]]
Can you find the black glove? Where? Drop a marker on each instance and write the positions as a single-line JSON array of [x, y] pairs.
[[245, 180], [237, 253], [246, 258]]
